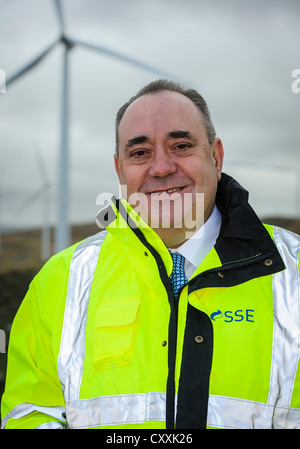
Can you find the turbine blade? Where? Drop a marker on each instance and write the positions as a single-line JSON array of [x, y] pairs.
[[31, 64], [123, 57], [40, 161], [60, 15], [32, 198]]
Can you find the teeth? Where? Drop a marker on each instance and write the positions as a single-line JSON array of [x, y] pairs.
[[166, 191]]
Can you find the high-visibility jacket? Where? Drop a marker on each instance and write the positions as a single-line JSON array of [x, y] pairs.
[[100, 342]]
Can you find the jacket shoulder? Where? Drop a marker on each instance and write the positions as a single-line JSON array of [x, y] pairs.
[[287, 243], [48, 288], [286, 237], [59, 261]]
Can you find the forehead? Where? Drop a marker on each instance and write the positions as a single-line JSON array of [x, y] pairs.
[[161, 112]]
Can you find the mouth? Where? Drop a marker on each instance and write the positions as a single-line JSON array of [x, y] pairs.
[[166, 192]]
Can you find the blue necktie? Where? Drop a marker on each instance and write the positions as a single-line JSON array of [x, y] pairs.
[[178, 278]]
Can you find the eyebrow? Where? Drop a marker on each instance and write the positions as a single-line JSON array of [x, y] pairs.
[[173, 135], [136, 141], [181, 135]]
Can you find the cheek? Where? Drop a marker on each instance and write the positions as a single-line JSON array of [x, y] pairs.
[[205, 176], [131, 177]]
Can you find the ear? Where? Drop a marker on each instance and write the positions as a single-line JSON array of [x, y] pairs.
[[117, 167], [218, 155]]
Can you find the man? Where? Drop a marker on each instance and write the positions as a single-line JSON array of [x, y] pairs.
[[103, 339]]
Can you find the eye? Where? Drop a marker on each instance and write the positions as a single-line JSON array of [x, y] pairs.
[[139, 156], [182, 146], [138, 153]]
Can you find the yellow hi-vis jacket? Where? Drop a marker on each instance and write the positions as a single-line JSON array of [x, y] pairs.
[[100, 342]]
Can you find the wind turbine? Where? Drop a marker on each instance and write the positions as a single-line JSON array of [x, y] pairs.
[[62, 232], [43, 192]]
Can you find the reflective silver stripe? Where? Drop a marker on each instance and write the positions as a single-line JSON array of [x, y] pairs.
[[116, 410], [52, 425], [25, 409], [72, 348], [228, 412], [286, 341], [234, 413]]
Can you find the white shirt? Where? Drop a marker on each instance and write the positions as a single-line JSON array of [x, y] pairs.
[[198, 246]]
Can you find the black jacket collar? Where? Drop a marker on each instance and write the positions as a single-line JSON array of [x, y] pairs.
[[242, 235]]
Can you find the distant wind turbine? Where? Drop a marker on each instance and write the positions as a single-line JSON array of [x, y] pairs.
[[43, 193], [62, 233]]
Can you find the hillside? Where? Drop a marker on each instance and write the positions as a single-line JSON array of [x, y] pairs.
[[21, 250]]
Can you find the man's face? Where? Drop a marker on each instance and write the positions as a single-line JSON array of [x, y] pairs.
[[165, 157]]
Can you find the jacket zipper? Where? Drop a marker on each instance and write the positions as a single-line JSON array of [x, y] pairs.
[[227, 267]]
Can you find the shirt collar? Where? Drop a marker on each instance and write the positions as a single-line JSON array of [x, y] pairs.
[[198, 246]]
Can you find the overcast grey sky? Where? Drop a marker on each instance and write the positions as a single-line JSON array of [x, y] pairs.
[[239, 55]]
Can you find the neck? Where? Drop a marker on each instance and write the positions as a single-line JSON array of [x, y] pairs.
[[172, 238], [175, 237]]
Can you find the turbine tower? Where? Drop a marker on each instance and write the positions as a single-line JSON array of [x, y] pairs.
[[62, 231]]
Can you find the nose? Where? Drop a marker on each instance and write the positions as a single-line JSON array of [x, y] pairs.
[[162, 165]]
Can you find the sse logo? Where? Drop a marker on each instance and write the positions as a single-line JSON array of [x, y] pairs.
[[229, 316]]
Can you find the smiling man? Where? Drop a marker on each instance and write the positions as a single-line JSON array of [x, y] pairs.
[[180, 313], [164, 153]]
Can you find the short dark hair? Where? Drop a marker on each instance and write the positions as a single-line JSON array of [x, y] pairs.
[[161, 85]]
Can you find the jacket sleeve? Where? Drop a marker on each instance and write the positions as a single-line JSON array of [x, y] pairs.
[[33, 394]]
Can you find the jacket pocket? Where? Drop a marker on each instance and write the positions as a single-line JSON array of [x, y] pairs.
[[115, 324]]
